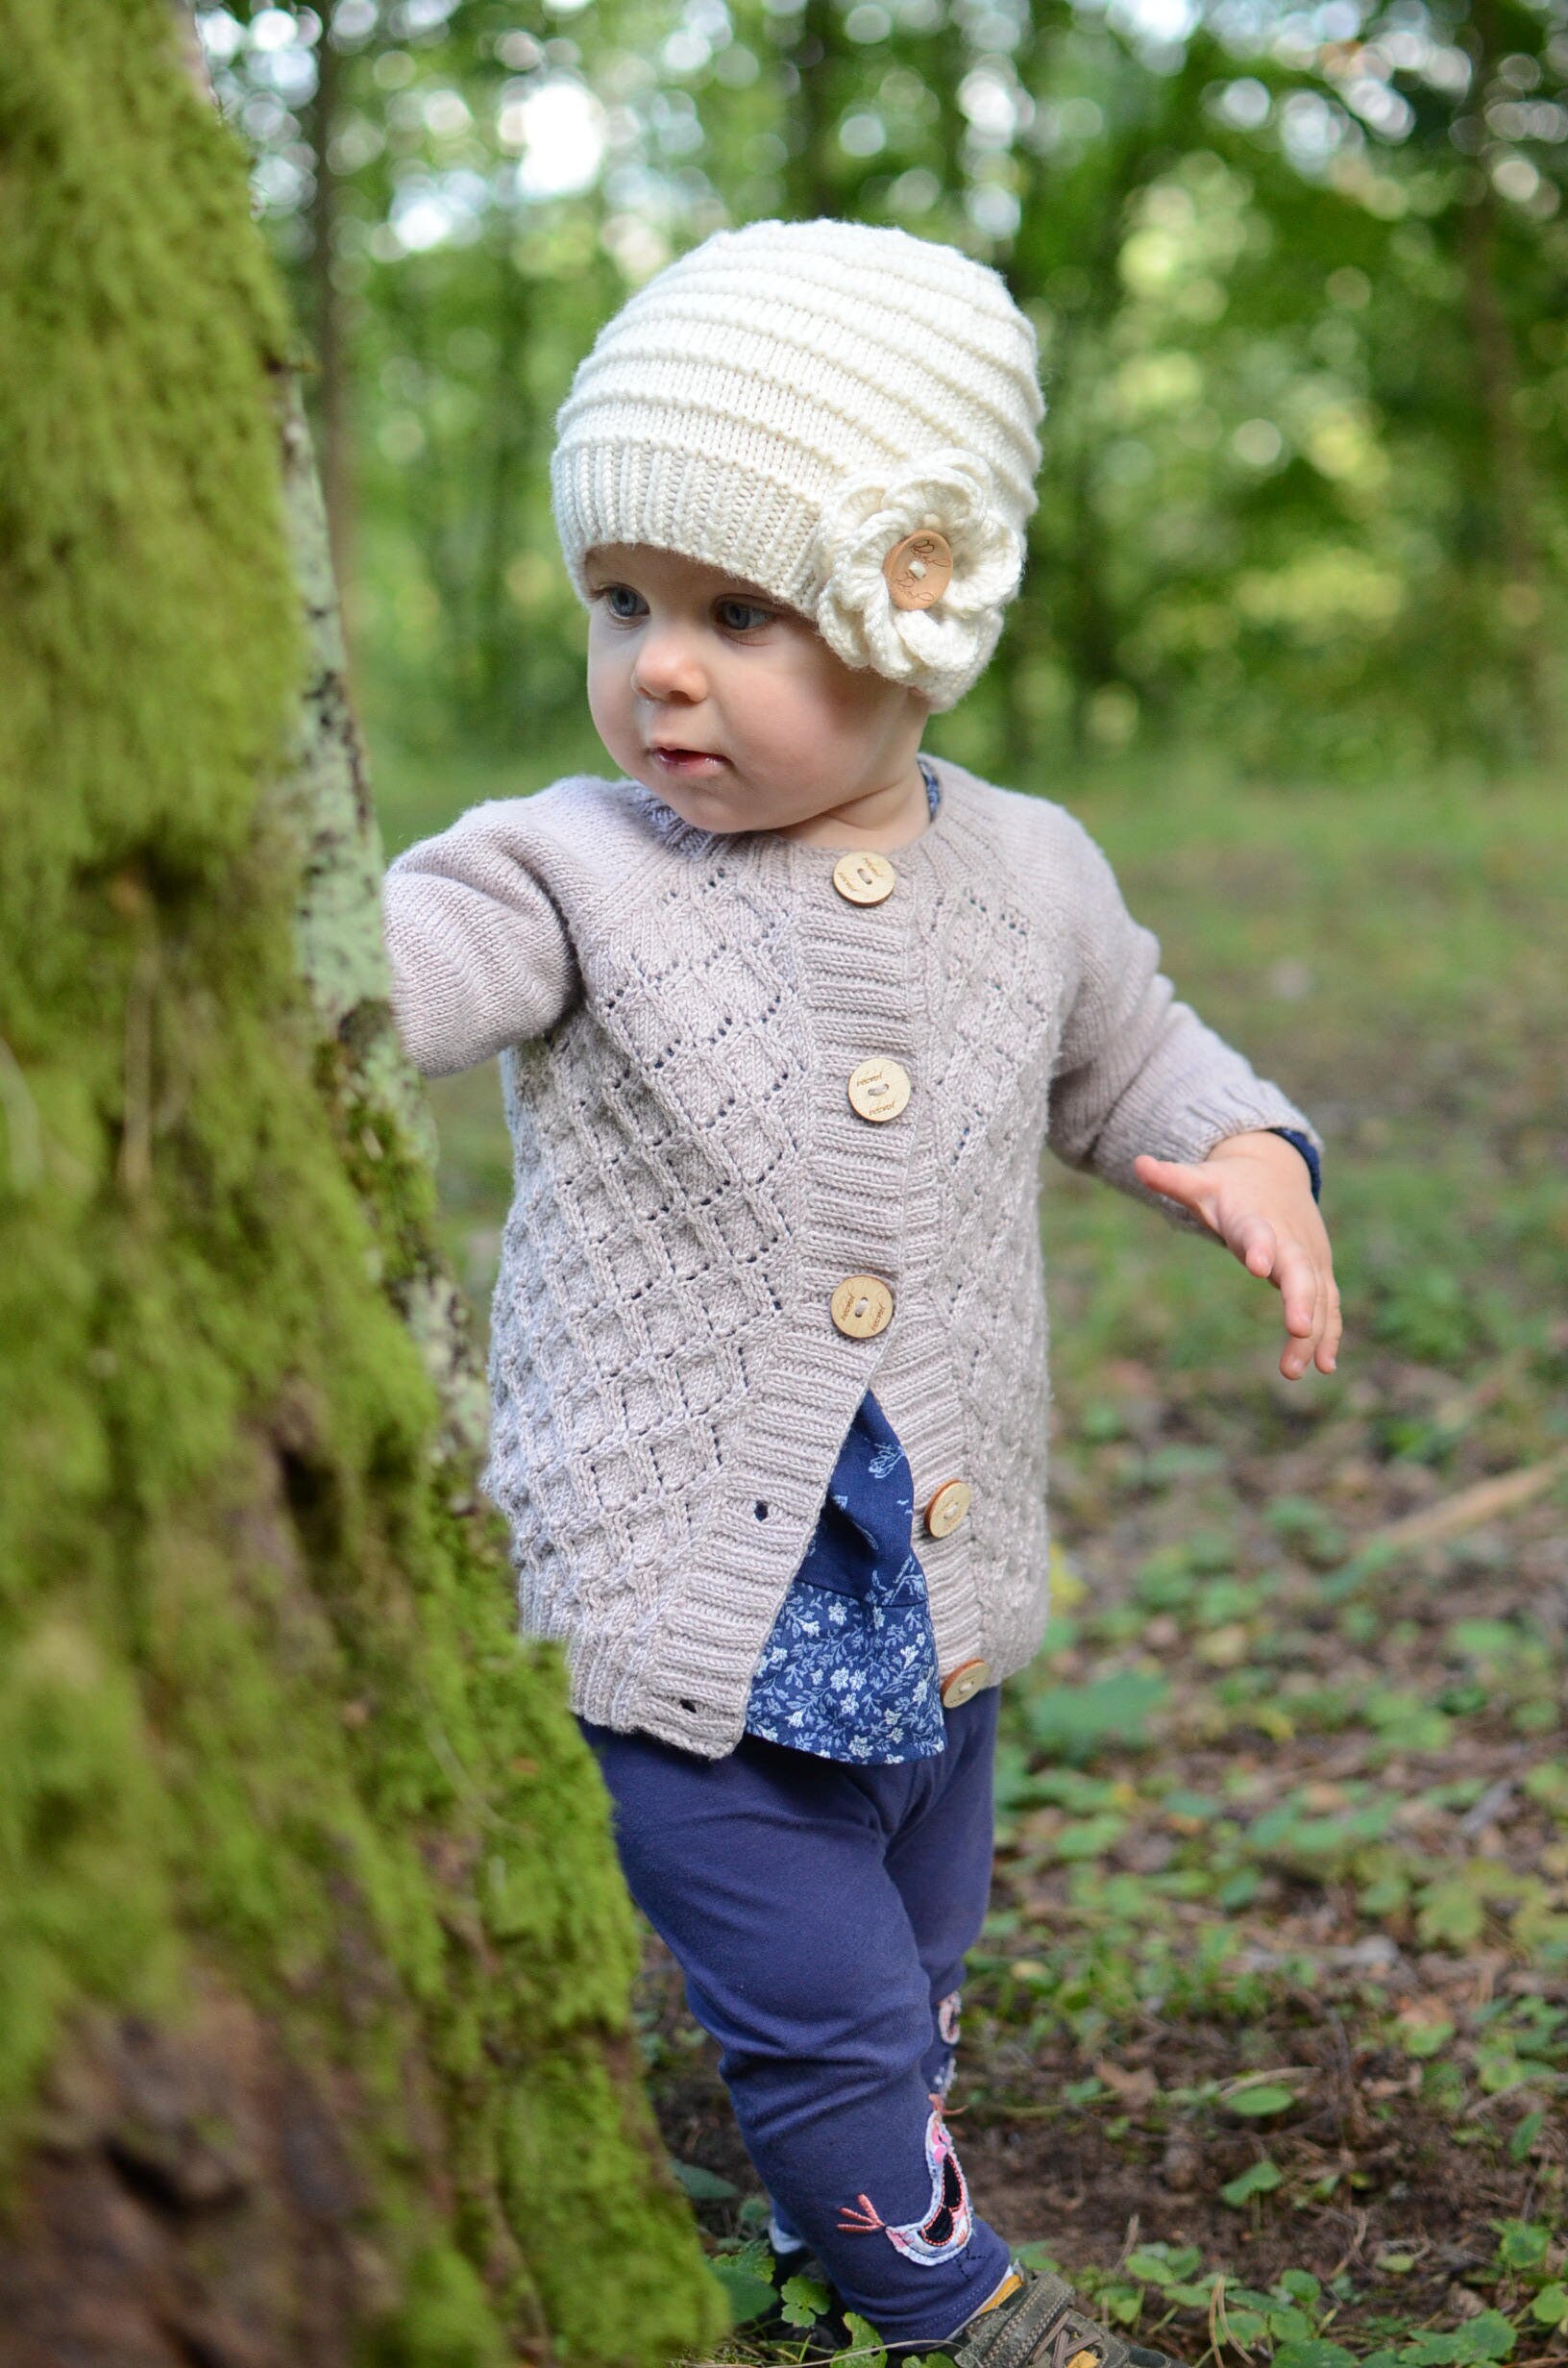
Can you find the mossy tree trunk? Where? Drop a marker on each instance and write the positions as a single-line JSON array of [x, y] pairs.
[[314, 1964]]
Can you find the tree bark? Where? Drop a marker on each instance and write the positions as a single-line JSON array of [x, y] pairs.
[[314, 1964], [500, 645], [331, 354], [1512, 559], [811, 63]]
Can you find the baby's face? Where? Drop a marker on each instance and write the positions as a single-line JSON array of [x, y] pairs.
[[736, 712]]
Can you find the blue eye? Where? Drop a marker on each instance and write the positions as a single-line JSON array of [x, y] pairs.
[[622, 601], [743, 616]]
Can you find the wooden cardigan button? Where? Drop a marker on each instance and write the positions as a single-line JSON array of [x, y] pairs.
[[969, 1678], [862, 1306], [948, 1507], [865, 878], [919, 570], [879, 1089]]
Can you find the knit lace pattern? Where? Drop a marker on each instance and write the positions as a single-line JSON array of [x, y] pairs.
[[677, 1014]]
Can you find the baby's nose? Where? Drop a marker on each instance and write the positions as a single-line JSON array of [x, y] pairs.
[[668, 667]]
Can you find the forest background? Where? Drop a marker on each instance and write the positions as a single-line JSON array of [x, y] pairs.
[[1276, 1991], [1297, 275]]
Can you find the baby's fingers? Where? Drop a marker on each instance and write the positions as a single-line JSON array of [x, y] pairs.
[[1326, 1348], [1310, 1305], [1254, 1241], [1300, 1290]]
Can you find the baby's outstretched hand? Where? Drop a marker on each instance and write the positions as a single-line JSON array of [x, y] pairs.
[[1254, 1191]]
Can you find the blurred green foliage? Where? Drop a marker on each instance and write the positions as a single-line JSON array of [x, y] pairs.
[[1297, 272]]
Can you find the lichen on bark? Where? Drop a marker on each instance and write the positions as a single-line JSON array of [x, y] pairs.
[[314, 1966]]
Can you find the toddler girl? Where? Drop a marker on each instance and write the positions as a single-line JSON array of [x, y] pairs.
[[786, 1016]]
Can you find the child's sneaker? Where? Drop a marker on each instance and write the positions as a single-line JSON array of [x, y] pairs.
[[1038, 2324]]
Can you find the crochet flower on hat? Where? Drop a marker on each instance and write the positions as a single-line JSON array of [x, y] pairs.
[[938, 650]]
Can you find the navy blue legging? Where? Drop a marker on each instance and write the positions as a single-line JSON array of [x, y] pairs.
[[820, 1913]]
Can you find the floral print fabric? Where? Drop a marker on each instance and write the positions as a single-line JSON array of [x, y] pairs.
[[850, 1672]]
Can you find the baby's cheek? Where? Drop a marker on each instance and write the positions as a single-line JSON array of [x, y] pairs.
[[609, 704]]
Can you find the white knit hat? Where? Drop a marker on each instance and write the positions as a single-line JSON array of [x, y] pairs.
[[833, 412]]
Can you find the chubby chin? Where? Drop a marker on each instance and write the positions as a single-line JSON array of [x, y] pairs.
[[721, 806]]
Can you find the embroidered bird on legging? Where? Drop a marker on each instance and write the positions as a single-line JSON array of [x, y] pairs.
[[949, 2222]]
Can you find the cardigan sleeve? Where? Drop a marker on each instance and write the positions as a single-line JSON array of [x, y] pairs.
[[1137, 1069], [480, 954]]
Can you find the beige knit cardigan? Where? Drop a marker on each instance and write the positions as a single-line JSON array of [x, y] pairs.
[[677, 1015]]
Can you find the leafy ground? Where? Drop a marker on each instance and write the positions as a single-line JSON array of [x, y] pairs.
[[1268, 2039]]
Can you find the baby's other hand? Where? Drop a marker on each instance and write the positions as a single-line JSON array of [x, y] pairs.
[[1254, 1191]]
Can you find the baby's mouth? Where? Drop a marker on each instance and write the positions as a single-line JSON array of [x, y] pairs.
[[692, 763]]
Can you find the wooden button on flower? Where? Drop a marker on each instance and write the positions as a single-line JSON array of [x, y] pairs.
[[920, 569]]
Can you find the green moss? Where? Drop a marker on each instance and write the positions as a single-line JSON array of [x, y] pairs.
[[261, 1707], [571, 2107], [445, 2320]]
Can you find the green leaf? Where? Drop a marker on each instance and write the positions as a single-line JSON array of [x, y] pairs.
[[1089, 1838], [1548, 1783], [1406, 1722], [1424, 2040], [1038, 2257], [1256, 2104], [1259, 2179], [1312, 2351], [1196, 1805], [1301, 2286], [1488, 2337], [1074, 1722], [1452, 1912], [703, 2187], [805, 2300], [1551, 2305], [865, 2346], [1525, 2136], [749, 2295], [1163, 2265], [1522, 2244]]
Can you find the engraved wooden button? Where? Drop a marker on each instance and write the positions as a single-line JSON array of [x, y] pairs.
[[879, 1089], [947, 1508], [919, 570], [969, 1678], [865, 878], [862, 1306]]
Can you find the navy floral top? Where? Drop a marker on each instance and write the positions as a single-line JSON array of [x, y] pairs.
[[850, 1672]]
